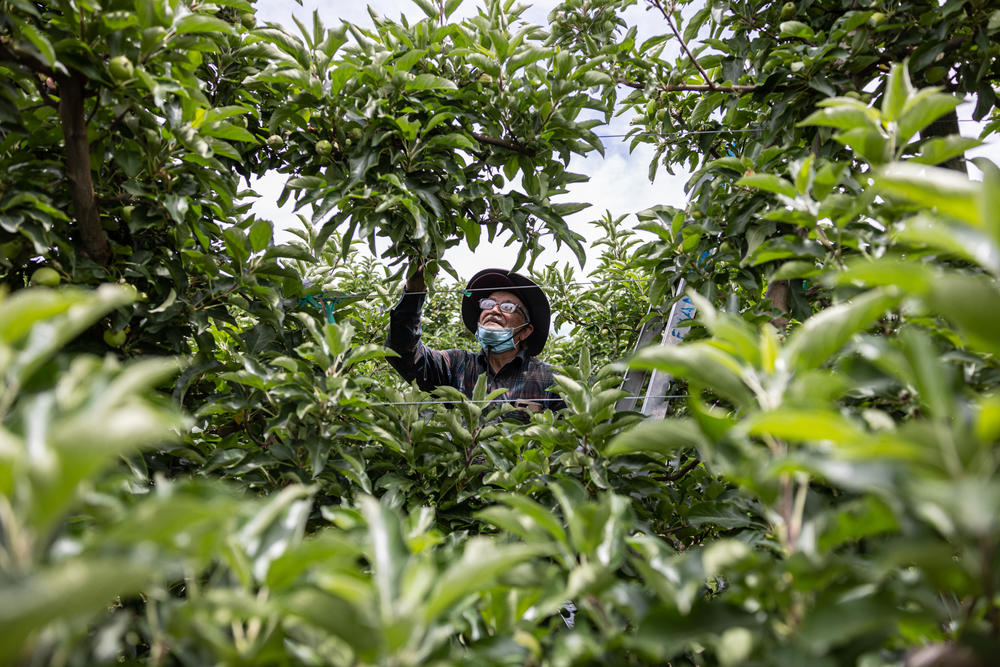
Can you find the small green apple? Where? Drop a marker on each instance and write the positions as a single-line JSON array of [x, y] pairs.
[[935, 74], [121, 68], [46, 277], [114, 338]]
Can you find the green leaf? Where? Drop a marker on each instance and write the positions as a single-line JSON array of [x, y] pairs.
[[42, 43], [923, 109], [73, 446], [943, 190], [820, 426], [954, 238], [662, 437], [430, 82], [481, 563], [843, 114], [796, 269], [826, 178], [698, 20], [260, 235], [805, 425], [296, 252], [75, 309], [869, 143], [847, 618], [177, 206], [525, 56], [451, 141], [65, 591], [938, 150], [275, 528], [796, 29], [823, 334], [932, 378], [701, 364], [803, 174], [723, 514], [429, 9], [337, 615], [897, 90], [195, 23], [307, 182], [769, 183], [972, 303], [228, 131], [736, 164], [855, 520], [989, 200], [388, 550], [536, 513], [888, 271]]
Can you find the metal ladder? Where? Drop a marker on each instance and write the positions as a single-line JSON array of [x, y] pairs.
[[669, 332]]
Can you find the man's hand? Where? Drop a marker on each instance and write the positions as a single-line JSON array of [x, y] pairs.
[[415, 283]]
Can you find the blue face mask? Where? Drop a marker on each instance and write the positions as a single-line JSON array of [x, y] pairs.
[[495, 339]]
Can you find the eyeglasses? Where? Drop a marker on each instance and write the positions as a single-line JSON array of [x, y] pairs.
[[508, 307]]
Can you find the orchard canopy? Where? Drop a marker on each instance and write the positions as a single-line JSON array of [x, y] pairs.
[[206, 459]]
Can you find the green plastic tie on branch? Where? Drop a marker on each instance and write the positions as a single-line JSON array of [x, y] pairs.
[[326, 305]]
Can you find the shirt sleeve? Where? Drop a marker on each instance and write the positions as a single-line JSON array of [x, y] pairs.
[[430, 368]]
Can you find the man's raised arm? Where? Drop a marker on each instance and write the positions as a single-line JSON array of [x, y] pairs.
[[430, 368]]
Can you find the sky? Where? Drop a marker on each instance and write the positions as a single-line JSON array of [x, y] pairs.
[[618, 181]]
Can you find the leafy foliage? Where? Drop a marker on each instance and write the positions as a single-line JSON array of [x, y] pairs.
[[270, 493]]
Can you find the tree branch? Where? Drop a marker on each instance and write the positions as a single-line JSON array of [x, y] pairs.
[[694, 87], [74, 126], [503, 143], [690, 87]]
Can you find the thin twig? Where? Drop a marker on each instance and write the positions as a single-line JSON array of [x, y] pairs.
[[260, 443], [670, 22], [93, 112], [688, 467], [689, 87]]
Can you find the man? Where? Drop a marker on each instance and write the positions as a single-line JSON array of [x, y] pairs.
[[509, 315]]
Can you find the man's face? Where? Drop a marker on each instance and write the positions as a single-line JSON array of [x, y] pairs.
[[497, 318]]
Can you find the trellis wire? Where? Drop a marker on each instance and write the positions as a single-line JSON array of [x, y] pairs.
[[462, 290], [501, 400], [680, 135]]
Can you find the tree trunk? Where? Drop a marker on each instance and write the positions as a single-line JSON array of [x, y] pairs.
[[74, 125], [777, 294]]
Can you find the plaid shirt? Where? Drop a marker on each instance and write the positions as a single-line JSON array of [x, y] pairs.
[[525, 378]]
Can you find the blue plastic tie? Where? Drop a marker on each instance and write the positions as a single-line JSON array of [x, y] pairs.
[[325, 305]]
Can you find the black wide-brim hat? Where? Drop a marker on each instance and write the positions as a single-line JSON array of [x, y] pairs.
[[490, 280]]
